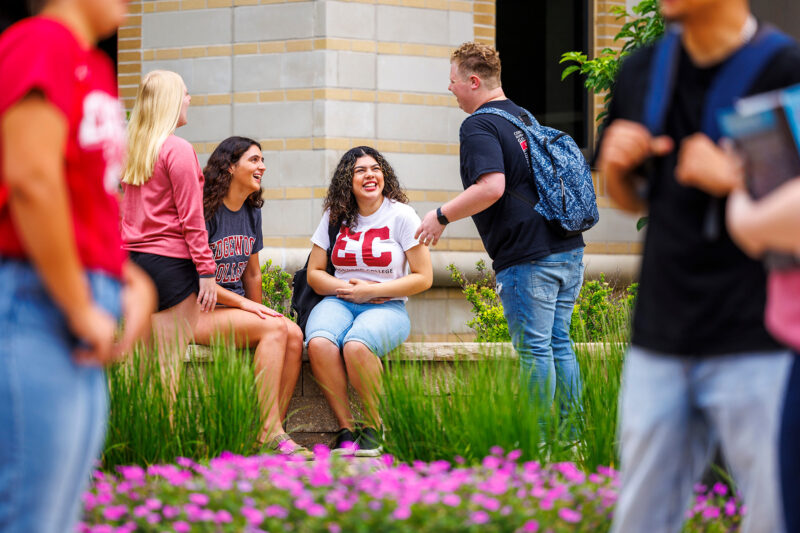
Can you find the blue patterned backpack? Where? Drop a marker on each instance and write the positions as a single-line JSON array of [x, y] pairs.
[[561, 175]]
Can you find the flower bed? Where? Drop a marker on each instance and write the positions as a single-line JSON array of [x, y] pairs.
[[273, 493]]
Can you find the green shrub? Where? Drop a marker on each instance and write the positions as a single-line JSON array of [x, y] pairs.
[[600, 315], [488, 322], [276, 288]]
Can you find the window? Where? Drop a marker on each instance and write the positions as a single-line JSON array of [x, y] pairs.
[[531, 36]]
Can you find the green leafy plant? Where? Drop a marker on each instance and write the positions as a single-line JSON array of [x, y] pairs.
[[601, 314], [276, 288], [644, 26], [488, 321]]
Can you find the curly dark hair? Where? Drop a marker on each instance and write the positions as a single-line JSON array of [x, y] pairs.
[[340, 198], [218, 175]]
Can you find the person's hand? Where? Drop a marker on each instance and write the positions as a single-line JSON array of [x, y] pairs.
[[207, 296], [708, 167], [139, 302], [430, 230], [94, 328], [261, 311], [358, 292], [626, 144], [739, 211]]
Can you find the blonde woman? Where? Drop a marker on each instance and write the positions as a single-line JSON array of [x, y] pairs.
[[163, 227]]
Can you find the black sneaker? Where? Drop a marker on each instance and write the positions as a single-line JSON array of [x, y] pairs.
[[345, 443], [369, 443]]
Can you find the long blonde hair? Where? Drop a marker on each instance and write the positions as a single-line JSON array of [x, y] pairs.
[[154, 118]]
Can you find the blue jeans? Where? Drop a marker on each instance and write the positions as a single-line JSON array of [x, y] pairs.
[[380, 327], [52, 411], [538, 298], [673, 412]]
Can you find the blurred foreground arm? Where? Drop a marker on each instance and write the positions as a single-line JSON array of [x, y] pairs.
[[625, 146], [771, 223], [34, 134]]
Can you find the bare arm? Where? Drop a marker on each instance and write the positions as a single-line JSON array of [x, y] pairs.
[[318, 278], [420, 279], [772, 223], [34, 134], [251, 279], [477, 197]]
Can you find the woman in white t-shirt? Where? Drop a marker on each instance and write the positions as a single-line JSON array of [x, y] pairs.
[[378, 264]]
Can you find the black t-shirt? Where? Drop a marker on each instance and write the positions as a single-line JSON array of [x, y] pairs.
[[511, 230], [697, 296], [233, 237]]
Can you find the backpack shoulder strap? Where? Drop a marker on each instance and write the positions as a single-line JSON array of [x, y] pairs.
[[662, 80], [333, 231], [503, 113], [739, 73]]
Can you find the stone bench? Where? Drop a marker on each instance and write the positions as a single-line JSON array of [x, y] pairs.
[[311, 420]]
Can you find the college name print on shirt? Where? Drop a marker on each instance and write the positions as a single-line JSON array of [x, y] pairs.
[[102, 128], [231, 246], [363, 250]]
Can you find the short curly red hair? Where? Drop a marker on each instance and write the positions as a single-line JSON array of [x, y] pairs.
[[479, 59]]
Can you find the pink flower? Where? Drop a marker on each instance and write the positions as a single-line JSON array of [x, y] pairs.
[[711, 512], [181, 527], [223, 517], [451, 500], [531, 526], [253, 516], [199, 499], [401, 513], [730, 507], [115, 512], [569, 515], [720, 488], [170, 512], [276, 511], [333, 527], [316, 510], [479, 517]]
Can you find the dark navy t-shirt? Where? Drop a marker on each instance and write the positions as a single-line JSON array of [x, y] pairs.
[[511, 230], [233, 237]]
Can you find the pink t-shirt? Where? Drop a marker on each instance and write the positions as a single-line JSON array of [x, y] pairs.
[[783, 306], [164, 216], [41, 54]]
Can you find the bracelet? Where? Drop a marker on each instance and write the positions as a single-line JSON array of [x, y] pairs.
[[440, 216]]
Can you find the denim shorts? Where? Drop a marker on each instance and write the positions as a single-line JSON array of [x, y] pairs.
[[52, 410], [380, 327]]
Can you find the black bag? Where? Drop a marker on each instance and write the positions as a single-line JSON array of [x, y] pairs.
[[303, 296]]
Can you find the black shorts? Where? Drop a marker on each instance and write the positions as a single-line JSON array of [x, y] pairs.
[[175, 279]]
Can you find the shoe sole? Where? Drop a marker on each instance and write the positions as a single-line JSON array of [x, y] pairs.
[[377, 452], [342, 452]]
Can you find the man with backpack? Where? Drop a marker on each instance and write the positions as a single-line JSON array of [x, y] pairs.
[[539, 272], [701, 368]]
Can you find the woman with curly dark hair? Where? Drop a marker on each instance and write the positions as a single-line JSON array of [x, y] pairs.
[[363, 315], [232, 206]]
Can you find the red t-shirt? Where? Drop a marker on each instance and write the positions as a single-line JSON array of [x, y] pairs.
[[42, 54]]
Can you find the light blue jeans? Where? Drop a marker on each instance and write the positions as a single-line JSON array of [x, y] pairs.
[[673, 412], [52, 411], [380, 327], [538, 298]]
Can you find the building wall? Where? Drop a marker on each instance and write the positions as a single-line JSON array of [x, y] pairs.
[[311, 79]]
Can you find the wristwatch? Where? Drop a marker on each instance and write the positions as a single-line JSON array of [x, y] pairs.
[[440, 216]]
